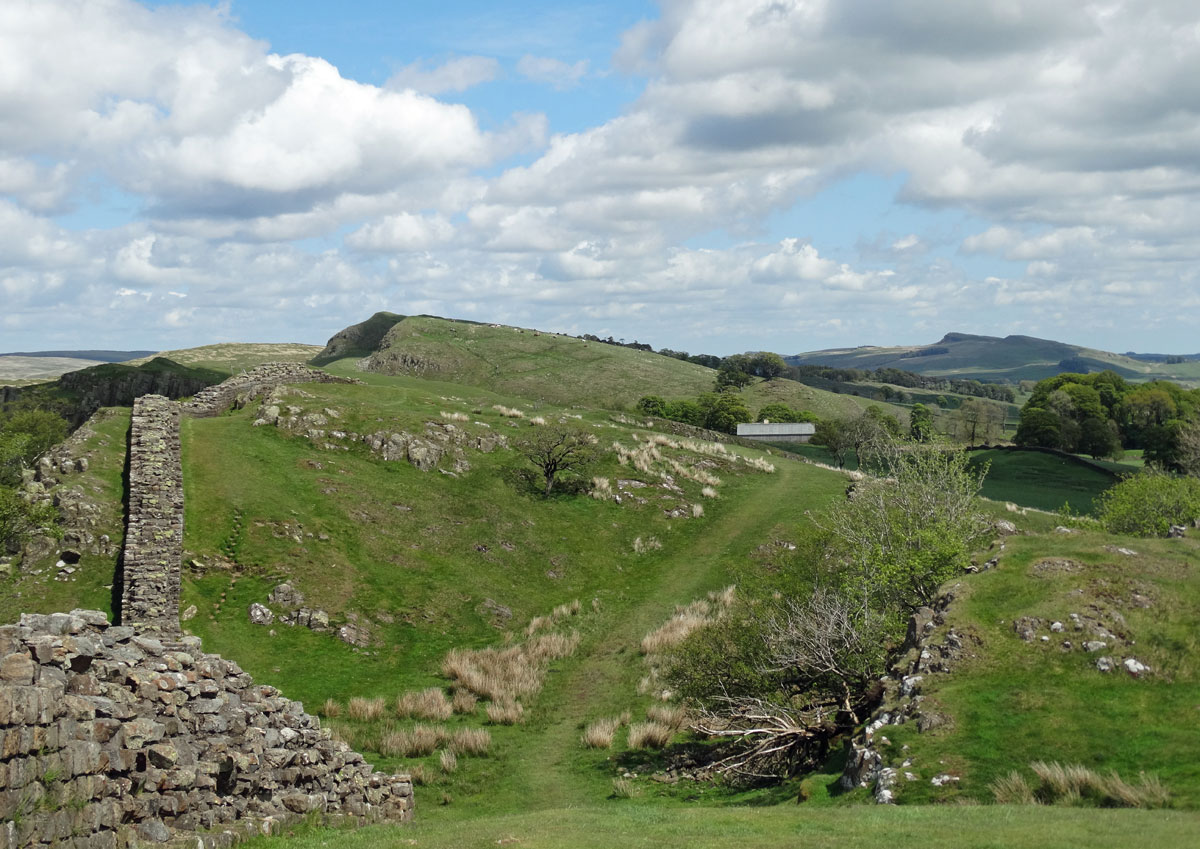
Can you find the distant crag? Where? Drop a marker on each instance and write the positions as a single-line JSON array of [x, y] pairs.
[[358, 340]]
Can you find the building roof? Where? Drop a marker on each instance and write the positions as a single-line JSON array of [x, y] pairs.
[[777, 429]]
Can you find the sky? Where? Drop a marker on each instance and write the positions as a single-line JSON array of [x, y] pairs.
[[706, 175]]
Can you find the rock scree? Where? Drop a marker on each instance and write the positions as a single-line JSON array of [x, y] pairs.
[[125, 735]]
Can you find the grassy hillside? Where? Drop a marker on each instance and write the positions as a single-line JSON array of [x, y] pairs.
[[1014, 701], [550, 368], [232, 357], [993, 358]]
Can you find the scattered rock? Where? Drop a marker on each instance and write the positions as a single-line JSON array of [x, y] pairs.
[[1135, 667], [1094, 645], [285, 595], [943, 779], [1176, 532], [188, 613], [261, 614]]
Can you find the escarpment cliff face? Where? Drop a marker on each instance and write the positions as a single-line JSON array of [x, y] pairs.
[[121, 735], [116, 385]]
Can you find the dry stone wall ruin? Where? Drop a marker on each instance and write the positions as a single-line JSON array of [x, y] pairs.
[[154, 521], [124, 735]]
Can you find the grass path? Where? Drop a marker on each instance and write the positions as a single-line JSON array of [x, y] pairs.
[[551, 769]]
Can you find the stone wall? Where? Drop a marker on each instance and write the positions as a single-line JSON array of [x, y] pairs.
[[217, 399], [111, 739], [117, 736], [154, 519]]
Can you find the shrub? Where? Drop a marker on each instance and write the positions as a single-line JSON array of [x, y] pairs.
[[426, 704], [1147, 504]]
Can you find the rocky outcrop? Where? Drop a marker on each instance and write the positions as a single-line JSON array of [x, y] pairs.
[[109, 738], [930, 648], [150, 563], [241, 389]]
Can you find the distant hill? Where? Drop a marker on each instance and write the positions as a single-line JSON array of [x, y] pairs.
[[550, 367], [1003, 358], [100, 356]]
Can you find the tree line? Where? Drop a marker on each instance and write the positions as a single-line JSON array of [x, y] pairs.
[[1102, 415]]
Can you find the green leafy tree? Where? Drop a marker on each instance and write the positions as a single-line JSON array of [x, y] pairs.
[[908, 531], [729, 376], [767, 365], [777, 413], [1100, 437], [835, 436], [688, 412], [723, 411], [1039, 428], [652, 405], [920, 423]]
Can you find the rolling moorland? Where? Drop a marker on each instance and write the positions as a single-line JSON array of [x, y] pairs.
[[399, 563], [1012, 358]]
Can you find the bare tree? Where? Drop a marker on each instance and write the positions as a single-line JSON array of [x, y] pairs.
[[825, 651]]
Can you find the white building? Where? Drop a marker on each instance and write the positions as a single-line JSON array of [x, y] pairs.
[[777, 431]]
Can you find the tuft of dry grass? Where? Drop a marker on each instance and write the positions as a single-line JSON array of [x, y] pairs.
[[672, 716], [455, 417], [448, 761], [419, 774], [508, 412], [505, 713], [415, 742], [464, 701], [364, 709], [602, 489], [649, 735], [623, 788], [470, 741], [697, 511], [708, 492], [1012, 789], [1072, 784], [430, 703], [600, 734], [537, 421], [641, 546], [331, 709]]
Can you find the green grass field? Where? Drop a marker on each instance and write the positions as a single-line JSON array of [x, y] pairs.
[[1044, 481], [622, 823]]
